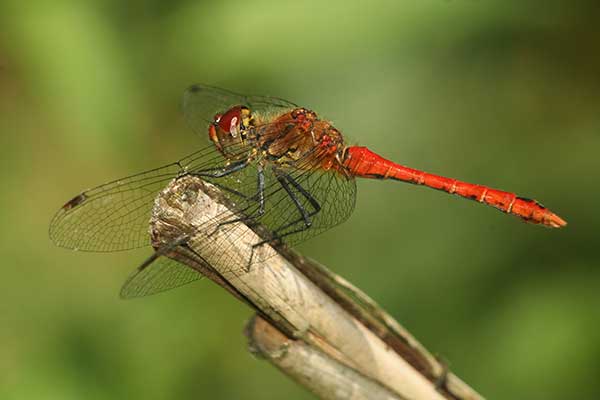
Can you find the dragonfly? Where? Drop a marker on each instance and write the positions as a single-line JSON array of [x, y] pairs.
[[278, 164]]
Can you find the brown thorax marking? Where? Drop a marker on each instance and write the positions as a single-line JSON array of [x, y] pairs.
[[298, 135]]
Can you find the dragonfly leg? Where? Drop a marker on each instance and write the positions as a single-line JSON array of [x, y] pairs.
[[259, 196], [285, 180], [260, 193], [164, 250], [221, 172], [228, 170], [307, 195], [305, 215]]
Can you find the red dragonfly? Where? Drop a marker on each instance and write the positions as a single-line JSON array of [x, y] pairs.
[[280, 165]]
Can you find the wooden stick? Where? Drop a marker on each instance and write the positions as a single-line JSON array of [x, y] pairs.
[[320, 314], [315, 370]]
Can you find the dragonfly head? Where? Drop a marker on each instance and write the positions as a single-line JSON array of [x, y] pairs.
[[230, 128]]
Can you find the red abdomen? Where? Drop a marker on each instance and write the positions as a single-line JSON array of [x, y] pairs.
[[361, 162]]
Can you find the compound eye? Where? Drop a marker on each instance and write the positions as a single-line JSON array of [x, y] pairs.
[[230, 121]]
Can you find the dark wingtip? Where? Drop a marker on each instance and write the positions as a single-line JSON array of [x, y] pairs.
[[74, 202]]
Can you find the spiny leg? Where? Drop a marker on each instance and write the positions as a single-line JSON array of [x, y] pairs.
[[305, 193], [306, 216], [285, 180]]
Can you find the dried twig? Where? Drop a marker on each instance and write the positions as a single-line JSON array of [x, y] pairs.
[[313, 325]]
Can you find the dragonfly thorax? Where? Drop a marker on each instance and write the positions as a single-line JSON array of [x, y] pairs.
[[301, 140]]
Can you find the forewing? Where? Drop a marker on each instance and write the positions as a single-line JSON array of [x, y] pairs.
[[115, 216], [202, 102]]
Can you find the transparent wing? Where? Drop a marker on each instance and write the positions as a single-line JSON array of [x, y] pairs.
[[114, 216], [161, 275], [201, 103]]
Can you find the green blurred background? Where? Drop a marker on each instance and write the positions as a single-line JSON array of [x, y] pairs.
[[501, 93]]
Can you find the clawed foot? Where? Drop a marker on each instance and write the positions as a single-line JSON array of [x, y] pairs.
[[275, 239]]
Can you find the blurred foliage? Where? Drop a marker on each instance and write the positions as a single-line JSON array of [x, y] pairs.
[[502, 93]]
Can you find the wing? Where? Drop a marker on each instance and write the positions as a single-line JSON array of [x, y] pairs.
[[115, 216], [161, 275], [201, 103]]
